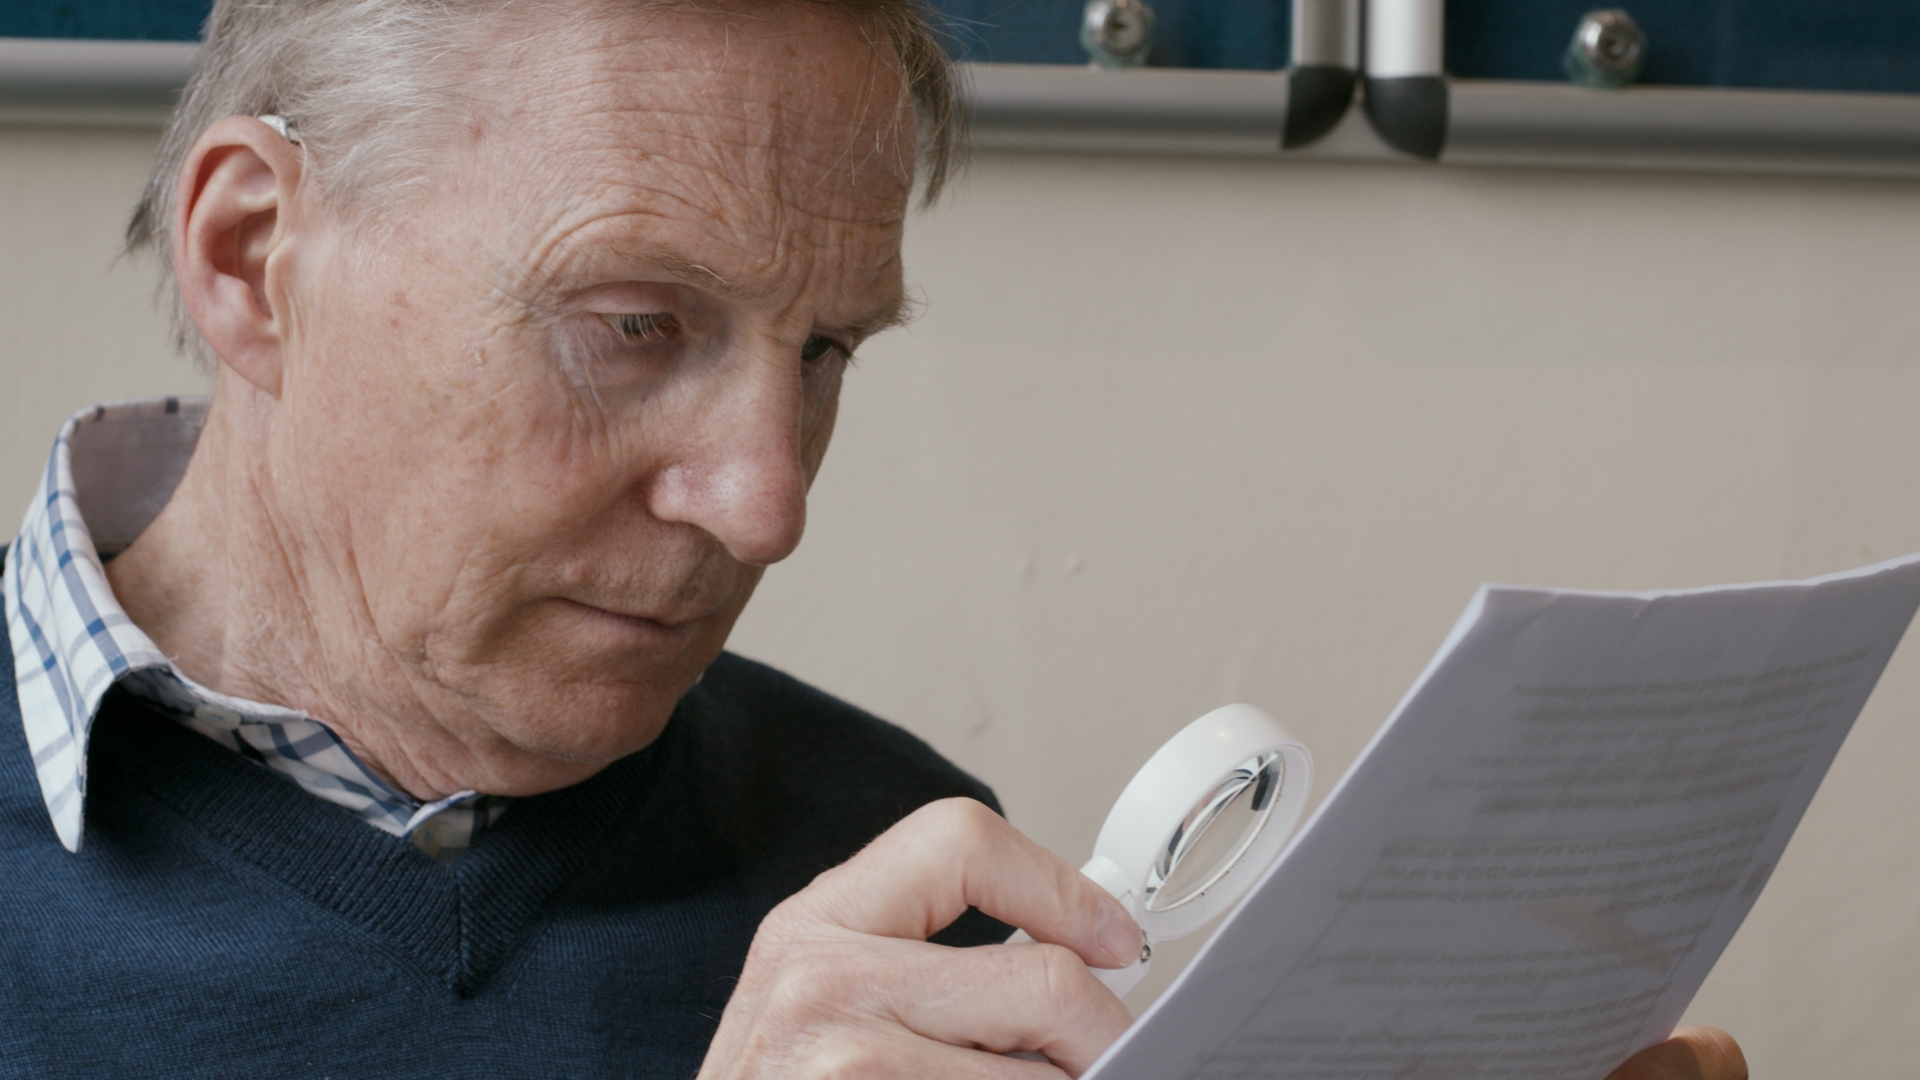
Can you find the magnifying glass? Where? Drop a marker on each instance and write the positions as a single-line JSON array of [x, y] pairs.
[[1197, 826]]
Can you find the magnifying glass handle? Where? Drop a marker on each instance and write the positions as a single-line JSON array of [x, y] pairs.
[[1108, 876]]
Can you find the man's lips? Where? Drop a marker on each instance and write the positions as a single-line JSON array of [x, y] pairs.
[[665, 624]]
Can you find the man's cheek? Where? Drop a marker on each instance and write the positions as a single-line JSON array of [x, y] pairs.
[[510, 467], [819, 433]]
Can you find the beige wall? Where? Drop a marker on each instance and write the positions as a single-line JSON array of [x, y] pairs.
[[1175, 433], [76, 322]]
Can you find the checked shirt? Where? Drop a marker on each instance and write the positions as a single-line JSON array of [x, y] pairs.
[[112, 469]]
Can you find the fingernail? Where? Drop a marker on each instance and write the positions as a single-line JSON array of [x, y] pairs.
[[1118, 935]]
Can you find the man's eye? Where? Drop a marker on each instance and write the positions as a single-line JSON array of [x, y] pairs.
[[640, 327], [817, 347]]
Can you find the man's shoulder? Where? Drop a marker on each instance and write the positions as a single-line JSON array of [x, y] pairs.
[[838, 750]]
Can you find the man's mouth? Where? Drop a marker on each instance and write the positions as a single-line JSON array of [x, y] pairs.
[[674, 625]]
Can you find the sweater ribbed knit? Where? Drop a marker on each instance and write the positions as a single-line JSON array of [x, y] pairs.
[[219, 921]]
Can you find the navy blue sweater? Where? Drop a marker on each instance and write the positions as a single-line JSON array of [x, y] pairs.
[[219, 921]]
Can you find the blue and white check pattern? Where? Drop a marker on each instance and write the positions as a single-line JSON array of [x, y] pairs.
[[72, 641]]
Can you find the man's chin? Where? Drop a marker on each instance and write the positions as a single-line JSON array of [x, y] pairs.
[[585, 724]]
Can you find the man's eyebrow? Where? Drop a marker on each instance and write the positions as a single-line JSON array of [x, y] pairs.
[[895, 311], [692, 273]]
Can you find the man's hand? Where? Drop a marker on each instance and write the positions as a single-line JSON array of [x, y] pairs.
[[1694, 1053], [842, 982]]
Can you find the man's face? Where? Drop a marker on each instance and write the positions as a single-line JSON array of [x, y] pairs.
[[548, 429]]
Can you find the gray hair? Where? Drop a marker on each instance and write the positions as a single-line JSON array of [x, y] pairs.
[[363, 83]]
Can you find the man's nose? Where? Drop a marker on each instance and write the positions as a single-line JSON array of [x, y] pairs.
[[740, 472]]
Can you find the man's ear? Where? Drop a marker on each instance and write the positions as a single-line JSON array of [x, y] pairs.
[[237, 189]]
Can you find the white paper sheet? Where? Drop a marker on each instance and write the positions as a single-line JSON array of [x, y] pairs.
[[1532, 867]]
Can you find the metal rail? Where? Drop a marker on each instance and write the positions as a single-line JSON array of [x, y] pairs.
[[1515, 123], [1048, 107], [1040, 107], [1488, 123], [131, 83]]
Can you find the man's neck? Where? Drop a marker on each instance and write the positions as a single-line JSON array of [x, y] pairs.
[[172, 580], [252, 600]]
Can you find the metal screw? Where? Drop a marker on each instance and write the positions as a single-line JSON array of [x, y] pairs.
[[1117, 33], [1608, 50]]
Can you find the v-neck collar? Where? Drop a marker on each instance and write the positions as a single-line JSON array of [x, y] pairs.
[[458, 922]]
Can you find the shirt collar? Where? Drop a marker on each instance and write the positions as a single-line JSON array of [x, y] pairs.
[[112, 469]]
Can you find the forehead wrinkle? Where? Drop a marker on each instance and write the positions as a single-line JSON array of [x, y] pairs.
[[780, 124], [791, 132], [677, 195], [758, 277], [733, 151], [874, 121], [740, 177], [758, 120], [751, 108], [746, 208], [754, 237]]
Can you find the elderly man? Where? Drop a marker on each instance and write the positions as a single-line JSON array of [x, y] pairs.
[[378, 706]]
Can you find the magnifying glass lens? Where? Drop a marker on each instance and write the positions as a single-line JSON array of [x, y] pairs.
[[1216, 833]]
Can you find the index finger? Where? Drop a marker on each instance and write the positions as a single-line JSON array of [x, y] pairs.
[[1693, 1053], [920, 875]]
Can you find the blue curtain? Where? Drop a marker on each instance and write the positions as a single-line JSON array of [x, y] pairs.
[[121, 20], [1191, 33], [1789, 44]]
